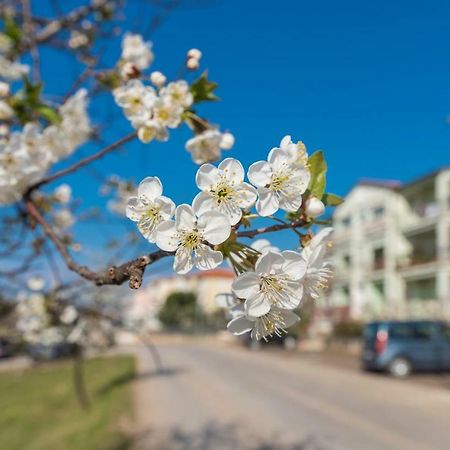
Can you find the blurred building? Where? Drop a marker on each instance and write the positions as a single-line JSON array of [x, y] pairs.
[[391, 250], [147, 302]]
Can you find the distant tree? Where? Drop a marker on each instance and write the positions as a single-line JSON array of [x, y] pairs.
[[180, 311]]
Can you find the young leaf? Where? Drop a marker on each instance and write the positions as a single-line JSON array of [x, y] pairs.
[[332, 199], [12, 30], [48, 113], [318, 169], [202, 89]]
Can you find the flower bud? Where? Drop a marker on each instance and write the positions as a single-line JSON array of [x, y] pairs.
[[63, 193], [158, 78], [192, 63], [128, 70], [314, 207], [4, 89], [194, 53], [227, 141]]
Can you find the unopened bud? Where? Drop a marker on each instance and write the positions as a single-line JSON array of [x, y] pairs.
[[194, 53], [158, 78], [227, 141], [314, 207], [192, 63]]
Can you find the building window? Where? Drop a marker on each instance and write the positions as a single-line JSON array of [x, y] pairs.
[[378, 258]]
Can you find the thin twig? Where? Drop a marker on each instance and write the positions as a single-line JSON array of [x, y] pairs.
[[83, 162]]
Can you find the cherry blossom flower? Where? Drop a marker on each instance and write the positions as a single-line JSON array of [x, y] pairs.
[[264, 246], [276, 281], [280, 183], [224, 190], [298, 152], [136, 100], [190, 238], [178, 93], [318, 270], [274, 322], [150, 208], [63, 193], [158, 78], [136, 51], [207, 146]]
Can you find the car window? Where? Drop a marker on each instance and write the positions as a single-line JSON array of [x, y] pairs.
[[401, 331], [370, 331], [423, 331]]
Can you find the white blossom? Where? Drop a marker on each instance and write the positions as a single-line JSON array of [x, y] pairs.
[[274, 322], [190, 238], [314, 207], [12, 70], [150, 208], [224, 190], [63, 219], [6, 112], [69, 315], [178, 93], [318, 269], [264, 246], [206, 146], [36, 283], [4, 89], [276, 281], [192, 63], [158, 78], [280, 182], [63, 193], [136, 100], [136, 51], [194, 53], [166, 112]]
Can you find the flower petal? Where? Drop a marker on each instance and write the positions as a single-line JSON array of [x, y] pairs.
[[294, 265], [166, 236], [239, 325], [214, 226], [269, 263], [267, 203], [183, 261], [247, 195], [207, 177], [257, 305], [185, 218], [150, 188], [278, 158], [289, 318], [260, 173], [225, 300], [203, 203], [233, 170], [290, 203], [134, 209], [166, 207], [246, 285], [206, 258]]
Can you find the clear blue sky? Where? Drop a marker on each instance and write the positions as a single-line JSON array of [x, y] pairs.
[[366, 81]]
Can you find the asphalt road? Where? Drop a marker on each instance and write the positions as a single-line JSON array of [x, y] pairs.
[[213, 397]]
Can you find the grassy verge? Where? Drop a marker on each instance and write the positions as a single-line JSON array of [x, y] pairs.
[[39, 410]]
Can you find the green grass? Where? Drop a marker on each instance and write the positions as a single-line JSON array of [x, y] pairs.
[[39, 409]]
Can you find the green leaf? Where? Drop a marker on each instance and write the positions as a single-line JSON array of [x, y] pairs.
[[332, 199], [12, 30], [318, 169], [32, 91], [48, 113], [203, 89]]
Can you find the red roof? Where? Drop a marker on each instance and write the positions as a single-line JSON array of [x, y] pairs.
[[215, 273]]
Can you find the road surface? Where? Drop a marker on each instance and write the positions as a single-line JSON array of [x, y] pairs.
[[213, 397]]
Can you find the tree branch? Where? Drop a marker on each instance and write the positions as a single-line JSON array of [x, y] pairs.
[[83, 162], [131, 271], [271, 229]]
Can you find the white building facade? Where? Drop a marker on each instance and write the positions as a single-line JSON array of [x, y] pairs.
[[392, 250]]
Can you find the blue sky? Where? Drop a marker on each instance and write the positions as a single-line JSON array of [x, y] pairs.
[[366, 81]]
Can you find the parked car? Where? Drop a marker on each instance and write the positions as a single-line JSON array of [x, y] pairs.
[[400, 347], [6, 348], [40, 352]]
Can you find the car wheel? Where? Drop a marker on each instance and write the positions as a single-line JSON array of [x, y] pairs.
[[400, 368]]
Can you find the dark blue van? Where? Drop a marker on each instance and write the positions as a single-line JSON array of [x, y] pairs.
[[400, 347]]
